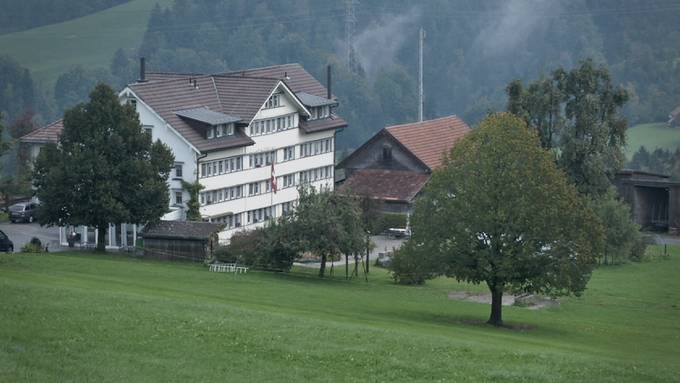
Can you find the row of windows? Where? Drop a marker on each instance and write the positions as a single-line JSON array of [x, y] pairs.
[[221, 195], [264, 158], [220, 130], [260, 187], [257, 215], [256, 160], [223, 166], [317, 174], [272, 125], [313, 148]]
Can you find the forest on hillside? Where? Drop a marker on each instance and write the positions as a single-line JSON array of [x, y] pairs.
[[472, 51], [20, 15]]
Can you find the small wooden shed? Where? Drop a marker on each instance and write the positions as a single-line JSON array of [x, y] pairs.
[[185, 241]]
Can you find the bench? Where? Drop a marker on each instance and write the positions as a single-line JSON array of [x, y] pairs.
[[228, 268]]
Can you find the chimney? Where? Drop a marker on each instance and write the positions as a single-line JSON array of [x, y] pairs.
[[142, 70], [328, 82]]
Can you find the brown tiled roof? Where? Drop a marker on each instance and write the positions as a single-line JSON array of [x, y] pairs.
[[299, 80], [388, 185], [430, 140], [44, 135], [333, 122], [181, 230], [240, 94]]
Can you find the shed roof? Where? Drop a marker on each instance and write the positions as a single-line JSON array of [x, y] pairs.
[[181, 230], [387, 185]]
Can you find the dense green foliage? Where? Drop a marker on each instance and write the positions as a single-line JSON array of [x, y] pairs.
[[270, 248], [104, 170], [623, 240], [328, 225], [17, 91], [193, 205], [111, 318], [576, 114], [659, 161], [19, 15], [499, 212]]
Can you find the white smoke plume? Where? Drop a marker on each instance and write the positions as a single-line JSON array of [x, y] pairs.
[[509, 29], [377, 46]]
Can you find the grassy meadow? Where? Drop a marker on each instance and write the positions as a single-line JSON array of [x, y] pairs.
[[111, 318], [651, 136], [90, 41]]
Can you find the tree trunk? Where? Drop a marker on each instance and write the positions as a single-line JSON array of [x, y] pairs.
[[368, 252], [496, 317], [322, 269], [101, 237], [346, 266]]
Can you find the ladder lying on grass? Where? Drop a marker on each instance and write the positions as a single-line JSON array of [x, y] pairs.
[[228, 268]]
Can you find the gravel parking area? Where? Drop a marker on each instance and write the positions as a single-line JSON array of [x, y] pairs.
[[21, 233]]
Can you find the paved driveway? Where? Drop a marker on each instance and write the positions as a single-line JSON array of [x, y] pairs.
[[21, 233]]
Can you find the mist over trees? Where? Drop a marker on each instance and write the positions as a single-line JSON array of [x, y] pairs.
[[472, 50]]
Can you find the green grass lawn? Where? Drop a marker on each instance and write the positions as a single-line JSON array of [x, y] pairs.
[[652, 136], [89, 41], [110, 318]]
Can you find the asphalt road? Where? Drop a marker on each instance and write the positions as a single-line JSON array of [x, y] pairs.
[[21, 233]]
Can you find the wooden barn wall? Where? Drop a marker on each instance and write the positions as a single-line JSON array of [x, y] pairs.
[[175, 249], [371, 157]]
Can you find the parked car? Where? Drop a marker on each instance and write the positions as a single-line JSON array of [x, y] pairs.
[[5, 243], [23, 211]]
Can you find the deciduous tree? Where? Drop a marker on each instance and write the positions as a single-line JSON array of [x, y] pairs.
[[328, 224], [500, 212], [104, 170], [577, 113]]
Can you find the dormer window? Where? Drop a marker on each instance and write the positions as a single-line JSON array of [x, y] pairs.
[[220, 130], [319, 112], [273, 101]]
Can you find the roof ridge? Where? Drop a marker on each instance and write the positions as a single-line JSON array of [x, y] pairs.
[[424, 121], [264, 67], [55, 122]]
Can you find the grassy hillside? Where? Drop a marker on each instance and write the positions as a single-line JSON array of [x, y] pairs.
[[86, 317], [89, 41], [652, 136]]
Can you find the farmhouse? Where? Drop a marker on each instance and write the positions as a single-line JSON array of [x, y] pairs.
[[249, 137], [394, 165]]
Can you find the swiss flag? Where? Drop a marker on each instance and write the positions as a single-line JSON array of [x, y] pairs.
[[273, 179]]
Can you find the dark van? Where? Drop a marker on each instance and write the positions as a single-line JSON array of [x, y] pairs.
[[23, 211]]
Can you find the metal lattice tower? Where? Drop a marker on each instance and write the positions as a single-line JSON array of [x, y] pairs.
[[350, 23]]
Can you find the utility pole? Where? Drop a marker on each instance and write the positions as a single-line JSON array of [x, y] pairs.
[[350, 23], [421, 41]]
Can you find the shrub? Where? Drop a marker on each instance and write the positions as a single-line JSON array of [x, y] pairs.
[[36, 241], [31, 248], [639, 250], [270, 248], [623, 240], [409, 267]]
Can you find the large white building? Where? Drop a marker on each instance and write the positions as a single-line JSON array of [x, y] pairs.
[[233, 131]]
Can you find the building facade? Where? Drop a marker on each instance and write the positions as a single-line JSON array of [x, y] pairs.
[[250, 138]]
